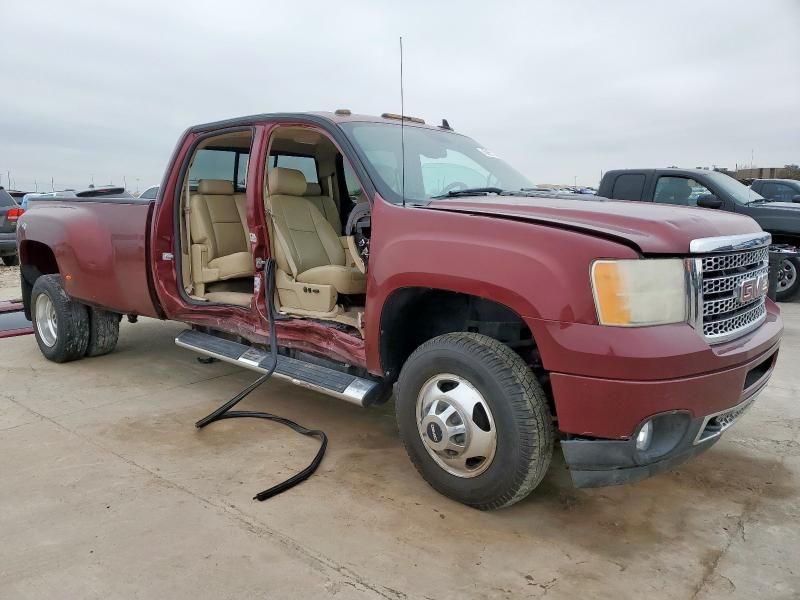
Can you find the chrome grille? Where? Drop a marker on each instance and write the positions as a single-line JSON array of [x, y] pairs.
[[723, 306], [714, 285], [735, 323], [721, 262], [715, 424], [724, 315]]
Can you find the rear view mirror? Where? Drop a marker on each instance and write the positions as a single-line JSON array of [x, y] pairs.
[[796, 198], [709, 201]]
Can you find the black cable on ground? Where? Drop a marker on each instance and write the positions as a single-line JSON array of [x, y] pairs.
[[224, 411]]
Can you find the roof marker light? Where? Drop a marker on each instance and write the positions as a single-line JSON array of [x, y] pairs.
[[387, 115]]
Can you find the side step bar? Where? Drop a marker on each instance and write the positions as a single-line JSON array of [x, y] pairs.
[[351, 388]]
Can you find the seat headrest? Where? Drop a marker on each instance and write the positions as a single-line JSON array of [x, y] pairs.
[[313, 189], [286, 182], [215, 187]]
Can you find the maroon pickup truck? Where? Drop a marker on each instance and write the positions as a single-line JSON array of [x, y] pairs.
[[408, 259]]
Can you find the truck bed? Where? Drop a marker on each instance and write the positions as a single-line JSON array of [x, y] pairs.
[[101, 247]]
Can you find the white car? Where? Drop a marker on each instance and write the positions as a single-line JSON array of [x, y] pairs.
[[150, 193]]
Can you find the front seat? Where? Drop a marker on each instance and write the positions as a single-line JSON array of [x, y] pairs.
[[220, 249], [325, 205], [311, 259]]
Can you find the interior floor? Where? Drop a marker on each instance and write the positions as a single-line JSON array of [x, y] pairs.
[[233, 291]]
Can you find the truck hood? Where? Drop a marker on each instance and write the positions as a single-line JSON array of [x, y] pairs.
[[790, 207], [651, 228]]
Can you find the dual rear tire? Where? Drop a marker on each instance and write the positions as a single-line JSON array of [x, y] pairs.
[[67, 330]]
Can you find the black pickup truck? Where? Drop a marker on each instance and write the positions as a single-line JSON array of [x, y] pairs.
[[712, 189]]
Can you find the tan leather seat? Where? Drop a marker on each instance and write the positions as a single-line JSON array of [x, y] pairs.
[[241, 206], [325, 205], [312, 263], [218, 221]]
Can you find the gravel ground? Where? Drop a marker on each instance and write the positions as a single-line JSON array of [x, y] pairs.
[[9, 283]]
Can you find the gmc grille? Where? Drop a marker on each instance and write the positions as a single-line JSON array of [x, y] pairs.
[[725, 315]]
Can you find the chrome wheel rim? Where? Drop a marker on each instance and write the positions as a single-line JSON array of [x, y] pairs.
[[787, 275], [456, 425], [46, 323]]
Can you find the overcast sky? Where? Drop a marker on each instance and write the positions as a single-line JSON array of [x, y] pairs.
[[560, 89]]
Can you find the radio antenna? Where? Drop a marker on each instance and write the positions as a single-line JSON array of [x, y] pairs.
[[402, 129]]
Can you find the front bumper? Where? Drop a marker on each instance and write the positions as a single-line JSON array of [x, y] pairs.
[[606, 380], [677, 437], [598, 463]]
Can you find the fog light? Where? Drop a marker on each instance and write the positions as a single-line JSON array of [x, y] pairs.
[[645, 436]]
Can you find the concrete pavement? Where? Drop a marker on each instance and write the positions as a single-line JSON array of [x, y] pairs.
[[108, 491]]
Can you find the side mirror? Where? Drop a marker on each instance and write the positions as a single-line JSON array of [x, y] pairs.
[[796, 198], [709, 201]]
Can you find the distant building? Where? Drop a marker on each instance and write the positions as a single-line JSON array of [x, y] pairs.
[[785, 172]]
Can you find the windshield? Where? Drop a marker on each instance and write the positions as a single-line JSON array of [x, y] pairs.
[[740, 192], [436, 162]]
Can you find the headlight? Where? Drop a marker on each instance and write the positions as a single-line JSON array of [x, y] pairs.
[[631, 293]]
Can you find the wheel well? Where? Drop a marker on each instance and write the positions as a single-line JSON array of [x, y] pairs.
[[35, 259], [785, 238], [412, 316]]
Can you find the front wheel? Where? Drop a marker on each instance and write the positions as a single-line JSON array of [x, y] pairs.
[[474, 420], [11, 261], [61, 325], [788, 279]]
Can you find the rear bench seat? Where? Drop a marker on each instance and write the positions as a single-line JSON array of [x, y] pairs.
[[220, 241]]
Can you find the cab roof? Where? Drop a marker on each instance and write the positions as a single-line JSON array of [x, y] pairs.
[[338, 117]]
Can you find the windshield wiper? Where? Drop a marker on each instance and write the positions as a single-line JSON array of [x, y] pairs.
[[760, 201], [470, 192]]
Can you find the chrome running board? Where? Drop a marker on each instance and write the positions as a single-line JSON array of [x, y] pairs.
[[357, 390]]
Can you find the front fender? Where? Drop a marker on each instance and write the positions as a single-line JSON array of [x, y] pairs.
[[538, 271]]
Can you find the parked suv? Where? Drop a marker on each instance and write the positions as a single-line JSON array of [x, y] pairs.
[[10, 212], [502, 321]]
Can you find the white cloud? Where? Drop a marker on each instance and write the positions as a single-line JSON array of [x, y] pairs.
[[559, 89]]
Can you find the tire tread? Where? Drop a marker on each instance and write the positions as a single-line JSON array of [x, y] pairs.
[[527, 399], [103, 331], [73, 321]]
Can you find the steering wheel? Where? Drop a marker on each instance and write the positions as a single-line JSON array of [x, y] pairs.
[[357, 231], [454, 186]]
